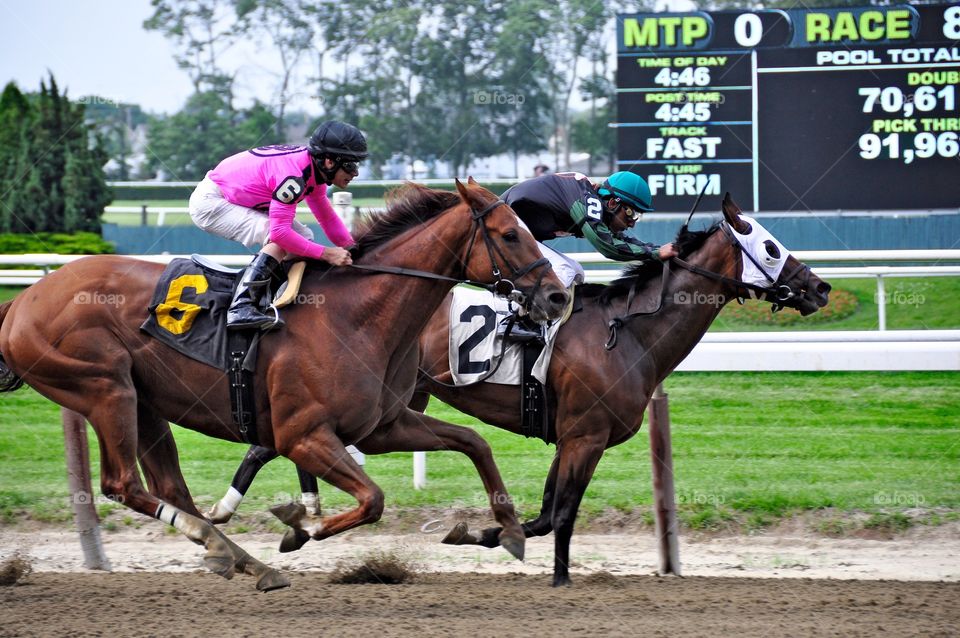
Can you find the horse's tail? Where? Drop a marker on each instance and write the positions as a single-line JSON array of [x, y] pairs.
[[8, 380]]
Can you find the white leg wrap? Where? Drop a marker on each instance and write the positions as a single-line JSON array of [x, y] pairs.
[[309, 500], [188, 525], [231, 500]]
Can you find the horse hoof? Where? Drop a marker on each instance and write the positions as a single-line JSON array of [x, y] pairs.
[[293, 540], [220, 565], [459, 535], [219, 515], [272, 580], [562, 581], [514, 545], [290, 514]]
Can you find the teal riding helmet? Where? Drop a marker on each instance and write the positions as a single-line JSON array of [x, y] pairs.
[[629, 187]]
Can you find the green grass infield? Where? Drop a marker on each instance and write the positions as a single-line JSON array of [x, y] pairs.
[[749, 448]]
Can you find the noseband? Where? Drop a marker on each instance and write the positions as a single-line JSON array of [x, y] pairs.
[[777, 292]]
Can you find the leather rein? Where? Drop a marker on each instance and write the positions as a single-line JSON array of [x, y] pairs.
[[502, 287]]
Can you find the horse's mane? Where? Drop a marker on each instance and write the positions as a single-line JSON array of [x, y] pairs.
[[687, 242], [407, 206]]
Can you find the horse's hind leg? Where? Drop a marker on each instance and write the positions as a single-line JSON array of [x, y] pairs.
[[160, 461], [161, 466], [108, 401], [578, 458]]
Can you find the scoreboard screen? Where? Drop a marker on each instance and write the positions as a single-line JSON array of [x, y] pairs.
[[793, 110]]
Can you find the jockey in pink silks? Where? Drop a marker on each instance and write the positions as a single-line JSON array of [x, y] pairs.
[[252, 197]]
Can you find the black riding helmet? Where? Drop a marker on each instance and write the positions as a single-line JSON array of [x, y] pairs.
[[338, 141]]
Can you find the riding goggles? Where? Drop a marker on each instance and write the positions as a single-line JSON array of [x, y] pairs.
[[631, 212]]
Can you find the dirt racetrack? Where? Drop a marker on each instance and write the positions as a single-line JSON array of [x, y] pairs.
[[782, 583], [457, 604]]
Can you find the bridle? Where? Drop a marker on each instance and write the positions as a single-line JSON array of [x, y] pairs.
[[777, 291], [501, 287]]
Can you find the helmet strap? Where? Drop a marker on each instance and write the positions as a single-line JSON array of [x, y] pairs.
[[327, 175]]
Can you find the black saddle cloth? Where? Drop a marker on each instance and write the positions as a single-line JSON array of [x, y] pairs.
[[188, 311]]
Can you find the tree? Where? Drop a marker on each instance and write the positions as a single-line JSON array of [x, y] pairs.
[[16, 118], [202, 30], [575, 25], [116, 124], [53, 167], [284, 25], [522, 112], [187, 144]]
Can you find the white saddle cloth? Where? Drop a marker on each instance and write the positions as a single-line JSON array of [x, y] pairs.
[[475, 344]]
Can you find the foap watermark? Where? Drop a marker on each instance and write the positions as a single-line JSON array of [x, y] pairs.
[[700, 498], [697, 298], [94, 298], [498, 98], [900, 297], [95, 100], [899, 499], [299, 97], [311, 299], [482, 499], [83, 497]]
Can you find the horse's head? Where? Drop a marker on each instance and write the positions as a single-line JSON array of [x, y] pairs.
[[768, 268], [503, 252]]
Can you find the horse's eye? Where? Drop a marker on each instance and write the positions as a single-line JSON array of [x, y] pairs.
[[772, 249], [511, 236]]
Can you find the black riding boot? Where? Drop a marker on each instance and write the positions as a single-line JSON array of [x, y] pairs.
[[522, 329], [244, 312]]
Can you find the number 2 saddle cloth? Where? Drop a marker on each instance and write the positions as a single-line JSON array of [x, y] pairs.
[[476, 341]]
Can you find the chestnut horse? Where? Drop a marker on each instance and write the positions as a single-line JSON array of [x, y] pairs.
[[338, 373], [597, 396]]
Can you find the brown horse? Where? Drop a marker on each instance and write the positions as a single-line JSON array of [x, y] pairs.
[[340, 372], [596, 395]]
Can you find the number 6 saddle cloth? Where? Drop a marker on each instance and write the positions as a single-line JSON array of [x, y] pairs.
[[188, 311], [476, 341]]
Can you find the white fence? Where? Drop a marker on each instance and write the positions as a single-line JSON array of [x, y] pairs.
[[816, 350]]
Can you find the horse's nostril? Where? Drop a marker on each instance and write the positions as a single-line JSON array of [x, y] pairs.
[[823, 288], [559, 298]]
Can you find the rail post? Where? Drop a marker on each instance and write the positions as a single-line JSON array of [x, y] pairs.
[[81, 491], [664, 498], [343, 204]]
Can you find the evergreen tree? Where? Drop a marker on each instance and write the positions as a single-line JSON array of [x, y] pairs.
[[46, 154], [15, 119]]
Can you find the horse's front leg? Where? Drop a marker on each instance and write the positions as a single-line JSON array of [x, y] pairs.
[[490, 537], [322, 454], [415, 432], [578, 458]]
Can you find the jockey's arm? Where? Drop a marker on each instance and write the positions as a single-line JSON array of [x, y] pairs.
[[334, 228], [283, 235], [623, 248]]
